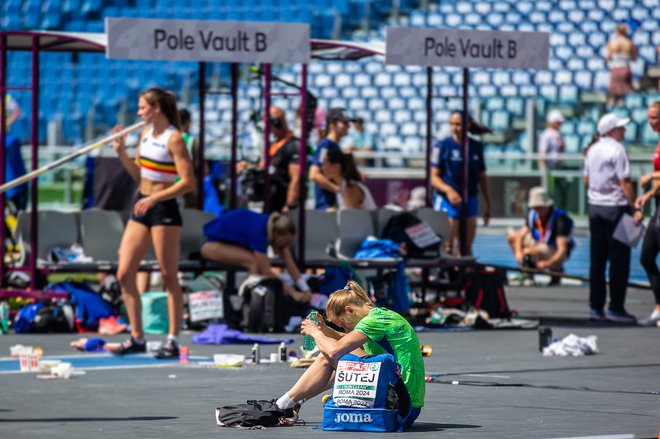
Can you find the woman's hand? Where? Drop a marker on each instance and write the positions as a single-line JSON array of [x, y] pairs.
[[487, 215], [143, 205], [309, 328], [453, 197], [639, 216], [119, 144]]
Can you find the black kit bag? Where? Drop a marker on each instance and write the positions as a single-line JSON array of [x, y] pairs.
[[268, 308], [253, 415], [418, 238], [55, 317], [484, 290]]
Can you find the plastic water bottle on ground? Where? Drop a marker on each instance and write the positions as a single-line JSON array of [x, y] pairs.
[[4, 317], [308, 342]]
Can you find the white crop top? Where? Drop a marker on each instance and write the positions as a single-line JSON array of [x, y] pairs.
[[156, 163]]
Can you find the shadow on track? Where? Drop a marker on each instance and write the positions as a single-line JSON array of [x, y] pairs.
[[95, 419], [419, 427]]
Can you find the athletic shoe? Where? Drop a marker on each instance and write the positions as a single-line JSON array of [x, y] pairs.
[[596, 316], [291, 415], [652, 320], [556, 280], [168, 350], [131, 346], [620, 317]]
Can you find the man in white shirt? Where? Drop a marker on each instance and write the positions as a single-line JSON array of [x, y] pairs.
[[551, 143], [611, 195]]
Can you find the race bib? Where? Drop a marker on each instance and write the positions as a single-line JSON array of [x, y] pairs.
[[356, 384]]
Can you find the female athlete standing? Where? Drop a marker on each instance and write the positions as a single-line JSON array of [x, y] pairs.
[[161, 158]]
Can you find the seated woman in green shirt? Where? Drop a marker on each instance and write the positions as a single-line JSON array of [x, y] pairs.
[[366, 325]]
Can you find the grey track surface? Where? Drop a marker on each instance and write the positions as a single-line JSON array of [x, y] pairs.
[[536, 397]]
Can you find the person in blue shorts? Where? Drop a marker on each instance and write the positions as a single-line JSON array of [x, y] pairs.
[[325, 190], [241, 237], [446, 169]]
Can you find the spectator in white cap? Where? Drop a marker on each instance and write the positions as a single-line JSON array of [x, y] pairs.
[[551, 143], [551, 146], [611, 194], [545, 241]]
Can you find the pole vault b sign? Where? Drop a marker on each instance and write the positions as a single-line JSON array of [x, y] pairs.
[[467, 48], [205, 40]]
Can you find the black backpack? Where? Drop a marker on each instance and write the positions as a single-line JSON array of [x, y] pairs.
[[267, 307], [484, 290], [408, 229], [54, 317], [253, 415]]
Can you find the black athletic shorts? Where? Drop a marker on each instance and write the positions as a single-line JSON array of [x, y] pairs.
[[163, 213]]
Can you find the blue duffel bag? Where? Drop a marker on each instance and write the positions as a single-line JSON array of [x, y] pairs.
[[368, 395]]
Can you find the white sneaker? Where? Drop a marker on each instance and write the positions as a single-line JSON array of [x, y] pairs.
[[652, 320]]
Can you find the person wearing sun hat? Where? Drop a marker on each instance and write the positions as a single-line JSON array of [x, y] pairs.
[[611, 195], [545, 241]]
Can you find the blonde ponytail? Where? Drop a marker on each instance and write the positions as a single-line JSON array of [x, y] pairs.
[[351, 295]]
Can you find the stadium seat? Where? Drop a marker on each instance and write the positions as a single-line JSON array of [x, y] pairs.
[[56, 230], [354, 226], [100, 234], [192, 231]]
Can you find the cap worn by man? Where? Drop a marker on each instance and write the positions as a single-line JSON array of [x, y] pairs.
[[610, 122], [554, 116], [538, 197], [337, 114]]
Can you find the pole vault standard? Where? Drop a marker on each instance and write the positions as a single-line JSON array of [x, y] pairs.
[[465, 49], [85, 150]]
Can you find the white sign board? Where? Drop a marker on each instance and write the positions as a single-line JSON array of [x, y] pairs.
[[204, 40], [356, 384], [467, 48], [205, 305]]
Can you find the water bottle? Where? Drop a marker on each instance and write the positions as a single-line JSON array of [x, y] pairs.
[[283, 354], [545, 337], [308, 342], [184, 355], [4, 317], [256, 355]]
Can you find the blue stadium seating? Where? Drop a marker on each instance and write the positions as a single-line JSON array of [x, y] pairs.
[[579, 31]]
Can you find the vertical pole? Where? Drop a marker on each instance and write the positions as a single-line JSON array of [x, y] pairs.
[[427, 174], [234, 136], [3, 147], [466, 160], [429, 134], [233, 178], [302, 194], [34, 186], [266, 189], [201, 87]]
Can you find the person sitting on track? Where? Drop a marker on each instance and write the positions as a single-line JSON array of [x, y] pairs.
[[161, 157], [545, 241], [241, 237], [365, 325]]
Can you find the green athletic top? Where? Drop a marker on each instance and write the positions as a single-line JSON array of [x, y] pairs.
[[381, 322]]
